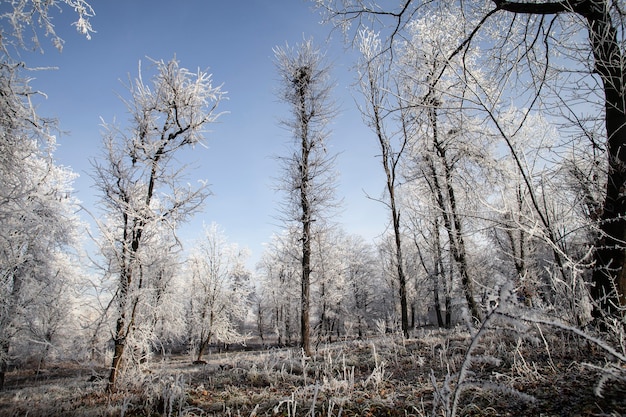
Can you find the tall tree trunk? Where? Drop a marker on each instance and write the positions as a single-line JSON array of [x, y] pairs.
[[118, 354], [390, 158], [121, 330], [399, 261], [448, 302], [203, 344], [609, 290], [259, 322], [305, 205], [305, 322], [436, 278], [439, 276]]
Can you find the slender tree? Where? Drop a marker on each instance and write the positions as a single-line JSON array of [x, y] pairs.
[[141, 190], [376, 84], [309, 177]]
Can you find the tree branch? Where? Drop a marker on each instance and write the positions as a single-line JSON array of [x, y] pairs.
[[537, 8]]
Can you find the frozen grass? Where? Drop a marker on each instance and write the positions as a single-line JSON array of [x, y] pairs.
[[503, 372]]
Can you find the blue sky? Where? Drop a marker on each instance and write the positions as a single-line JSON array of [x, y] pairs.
[[234, 41]]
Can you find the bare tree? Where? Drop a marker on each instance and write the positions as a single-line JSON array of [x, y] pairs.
[[309, 178], [376, 87], [141, 189]]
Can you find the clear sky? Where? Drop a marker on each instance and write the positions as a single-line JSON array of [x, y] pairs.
[[234, 41]]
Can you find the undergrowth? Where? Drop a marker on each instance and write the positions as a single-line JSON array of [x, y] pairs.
[[508, 366]]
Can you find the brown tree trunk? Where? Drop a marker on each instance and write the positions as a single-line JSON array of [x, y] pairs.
[[118, 353], [609, 277], [395, 214], [436, 277], [303, 81], [203, 344], [4, 362], [439, 275]]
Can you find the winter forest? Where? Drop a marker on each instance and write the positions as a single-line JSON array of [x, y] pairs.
[[497, 288]]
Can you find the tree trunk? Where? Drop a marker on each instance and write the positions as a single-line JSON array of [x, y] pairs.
[[118, 353], [438, 273], [437, 302], [203, 344], [395, 214], [609, 277], [448, 311], [305, 323], [260, 324], [4, 361], [303, 81]]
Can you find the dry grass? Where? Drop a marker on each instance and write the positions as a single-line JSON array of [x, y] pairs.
[[388, 376]]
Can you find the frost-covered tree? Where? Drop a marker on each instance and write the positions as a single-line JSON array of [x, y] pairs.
[[50, 326], [424, 229], [219, 297], [540, 225], [450, 149], [309, 176], [377, 86], [142, 189], [36, 206]]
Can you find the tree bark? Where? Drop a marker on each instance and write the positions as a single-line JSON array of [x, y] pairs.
[[395, 214], [609, 290], [203, 344], [436, 277], [4, 362], [118, 353], [390, 163]]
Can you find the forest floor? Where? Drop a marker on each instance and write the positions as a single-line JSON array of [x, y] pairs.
[[540, 374]]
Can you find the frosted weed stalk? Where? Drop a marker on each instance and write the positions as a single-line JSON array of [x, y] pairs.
[[172, 394], [377, 377], [446, 399]]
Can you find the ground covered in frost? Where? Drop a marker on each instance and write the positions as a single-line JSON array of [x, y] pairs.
[[504, 374]]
